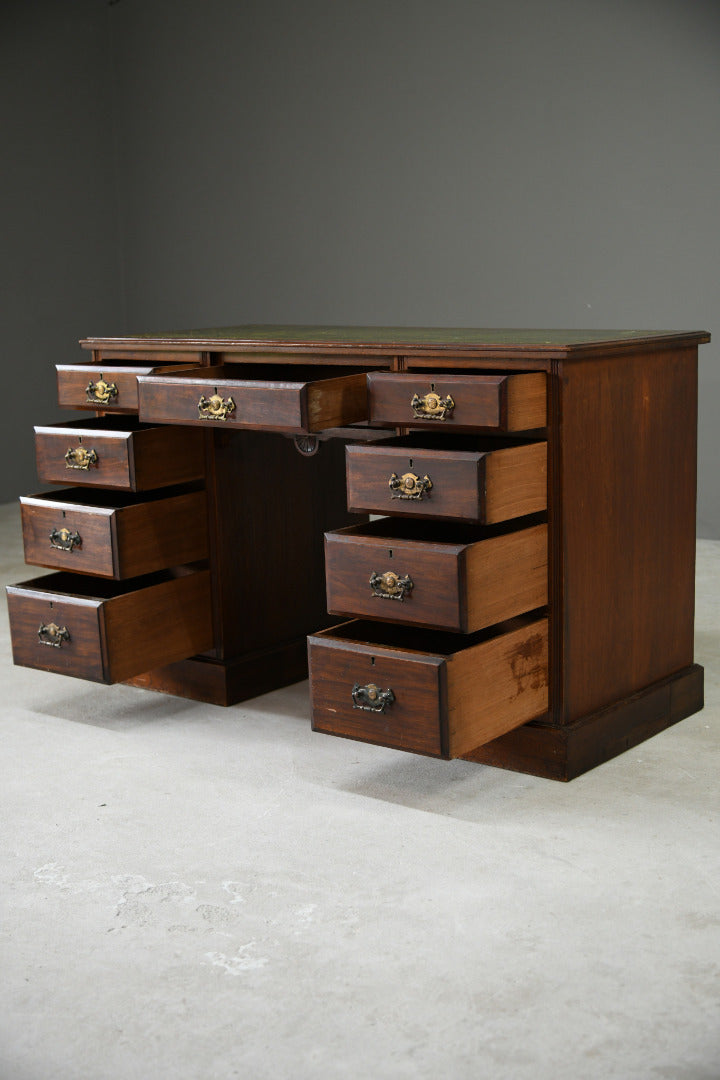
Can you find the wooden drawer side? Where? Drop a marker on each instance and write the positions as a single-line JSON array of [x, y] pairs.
[[158, 625], [496, 686]]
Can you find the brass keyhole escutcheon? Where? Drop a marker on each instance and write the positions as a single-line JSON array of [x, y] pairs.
[[78, 457], [432, 406], [52, 634], [100, 392], [65, 540], [371, 698], [390, 586], [409, 486], [216, 407]]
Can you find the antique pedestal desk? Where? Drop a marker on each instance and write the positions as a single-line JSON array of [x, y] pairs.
[[488, 535]]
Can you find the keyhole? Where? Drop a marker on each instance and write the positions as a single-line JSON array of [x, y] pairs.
[[410, 463], [63, 513], [432, 385], [390, 553], [372, 661]]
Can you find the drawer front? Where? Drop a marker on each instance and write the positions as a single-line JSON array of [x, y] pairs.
[[447, 701], [472, 486], [291, 400], [342, 676], [123, 457], [394, 580], [448, 586], [64, 536], [118, 540], [91, 386], [471, 402], [58, 624], [58, 633]]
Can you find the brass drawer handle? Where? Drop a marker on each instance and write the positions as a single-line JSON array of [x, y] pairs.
[[371, 698], [432, 406], [390, 586], [100, 392], [215, 407], [78, 457], [64, 540], [52, 634], [409, 486]]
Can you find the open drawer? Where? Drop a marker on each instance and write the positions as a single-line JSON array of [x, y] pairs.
[[118, 452], [489, 402], [108, 631], [113, 534], [109, 386], [438, 694], [451, 477], [265, 397], [421, 573]]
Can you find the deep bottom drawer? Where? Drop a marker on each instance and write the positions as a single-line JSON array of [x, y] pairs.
[[107, 631], [437, 694]]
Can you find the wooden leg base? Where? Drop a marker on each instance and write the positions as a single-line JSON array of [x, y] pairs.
[[226, 682], [562, 753]]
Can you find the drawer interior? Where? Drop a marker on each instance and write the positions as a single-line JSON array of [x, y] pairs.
[[425, 530], [417, 639], [262, 374], [85, 587], [108, 499], [442, 442]]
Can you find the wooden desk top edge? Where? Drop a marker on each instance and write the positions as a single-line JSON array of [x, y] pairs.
[[549, 344]]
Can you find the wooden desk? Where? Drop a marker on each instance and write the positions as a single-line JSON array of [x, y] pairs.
[[526, 600]]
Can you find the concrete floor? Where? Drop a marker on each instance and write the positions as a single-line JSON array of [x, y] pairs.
[[198, 893]]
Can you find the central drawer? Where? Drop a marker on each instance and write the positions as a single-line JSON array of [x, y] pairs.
[[450, 577], [113, 534], [109, 631], [442, 695], [265, 397]]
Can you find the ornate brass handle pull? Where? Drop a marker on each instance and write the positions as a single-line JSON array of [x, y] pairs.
[[215, 407], [432, 406], [409, 486], [78, 457], [100, 392], [390, 586], [371, 698], [52, 634], [65, 540]]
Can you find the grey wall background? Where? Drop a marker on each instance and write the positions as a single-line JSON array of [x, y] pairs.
[[177, 163]]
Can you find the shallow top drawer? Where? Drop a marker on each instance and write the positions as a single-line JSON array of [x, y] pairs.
[[297, 400], [106, 386], [504, 402]]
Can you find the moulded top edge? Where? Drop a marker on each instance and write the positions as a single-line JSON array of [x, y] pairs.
[[547, 342]]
